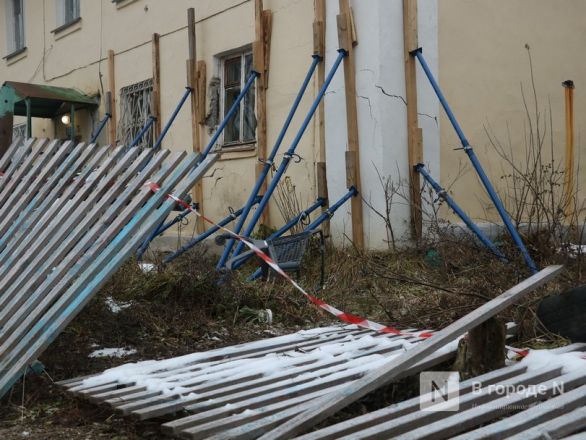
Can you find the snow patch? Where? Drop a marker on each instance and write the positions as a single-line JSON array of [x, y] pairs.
[[571, 362], [112, 352], [115, 306]]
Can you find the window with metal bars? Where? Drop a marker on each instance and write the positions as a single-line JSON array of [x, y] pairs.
[[19, 130], [241, 128], [135, 109]]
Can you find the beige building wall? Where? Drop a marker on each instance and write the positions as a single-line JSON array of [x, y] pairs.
[[482, 64], [77, 57]]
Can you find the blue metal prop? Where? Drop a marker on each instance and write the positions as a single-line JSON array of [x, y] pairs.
[[294, 221], [100, 128], [268, 162], [326, 215], [151, 119], [291, 151], [162, 228], [443, 194], [229, 218], [253, 75], [172, 118], [476, 164]]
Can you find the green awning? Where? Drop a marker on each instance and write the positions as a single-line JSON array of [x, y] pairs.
[[46, 101]]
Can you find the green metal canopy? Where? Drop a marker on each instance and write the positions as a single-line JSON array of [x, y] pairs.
[[36, 101], [45, 101]]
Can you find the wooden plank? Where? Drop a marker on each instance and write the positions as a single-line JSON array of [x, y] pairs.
[[569, 205], [319, 48], [63, 188], [11, 220], [84, 233], [7, 157], [64, 208], [201, 92], [243, 351], [346, 42], [20, 173], [61, 225], [125, 243], [326, 407], [24, 191], [113, 94], [225, 391], [194, 82], [259, 60], [19, 157], [414, 134], [32, 304], [564, 426], [448, 427], [395, 415], [527, 419], [156, 97]]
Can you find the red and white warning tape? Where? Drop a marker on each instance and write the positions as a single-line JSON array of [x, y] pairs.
[[342, 316]]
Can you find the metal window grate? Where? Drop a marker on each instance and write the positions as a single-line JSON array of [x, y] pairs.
[[135, 109], [19, 130]]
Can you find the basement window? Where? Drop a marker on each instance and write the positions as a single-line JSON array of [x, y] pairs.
[[241, 128], [14, 27], [135, 109]]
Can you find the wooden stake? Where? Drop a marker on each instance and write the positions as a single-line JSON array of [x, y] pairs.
[[156, 100], [112, 87], [333, 402], [347, 42], [261, 51], [194, 83], [319, 48], [414, 134], [569, 207]]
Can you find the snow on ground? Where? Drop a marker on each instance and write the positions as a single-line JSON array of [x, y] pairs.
[[112, 352], [115, 306]]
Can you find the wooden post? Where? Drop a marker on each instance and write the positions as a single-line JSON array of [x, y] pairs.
[[112, 87], [414, 134], [261, 53], [569, 205], [192, 81], [156, 100], [347, 40], [319, 48]]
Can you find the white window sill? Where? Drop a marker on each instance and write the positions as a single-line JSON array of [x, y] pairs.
[[16, 56], [124, 3], [238, 151], [67, 28]]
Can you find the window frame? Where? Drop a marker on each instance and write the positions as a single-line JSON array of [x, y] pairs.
[[239, 144], [13, 47], [63, 21]]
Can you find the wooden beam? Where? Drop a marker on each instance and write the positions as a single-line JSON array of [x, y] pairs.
[[347, 42], [112, 87], [333, 402], [261, 51], [569, 205], [196, 87], [319, 48], [414, 134], [156, 100]]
